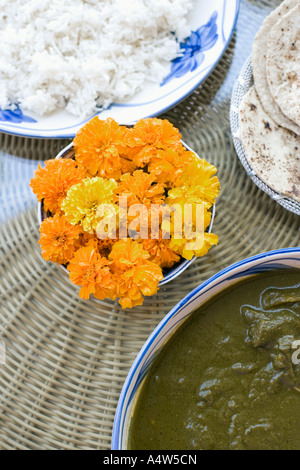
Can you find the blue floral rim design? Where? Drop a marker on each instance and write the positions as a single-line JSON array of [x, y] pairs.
[[15, 115], [192, 49]]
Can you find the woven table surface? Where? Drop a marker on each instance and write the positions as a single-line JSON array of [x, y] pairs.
[[67, 359]]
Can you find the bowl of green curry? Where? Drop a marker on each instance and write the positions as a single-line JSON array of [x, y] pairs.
[[222, 370]]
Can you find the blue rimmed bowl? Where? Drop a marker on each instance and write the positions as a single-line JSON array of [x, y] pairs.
[[170, 274], [273, 260]]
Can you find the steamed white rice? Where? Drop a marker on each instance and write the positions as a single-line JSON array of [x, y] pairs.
[[80, 54]]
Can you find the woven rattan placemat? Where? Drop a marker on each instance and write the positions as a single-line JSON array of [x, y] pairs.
[[67, 359]]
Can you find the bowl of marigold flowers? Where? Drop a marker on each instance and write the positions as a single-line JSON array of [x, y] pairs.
[[124, 209]]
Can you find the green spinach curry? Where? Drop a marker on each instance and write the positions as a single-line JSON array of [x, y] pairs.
[[230, 376]]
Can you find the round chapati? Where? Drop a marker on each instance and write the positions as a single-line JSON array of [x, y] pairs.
[[283, 63], [272, 151], [259, 58]]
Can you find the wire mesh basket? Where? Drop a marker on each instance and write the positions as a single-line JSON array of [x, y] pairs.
[[241, 87]]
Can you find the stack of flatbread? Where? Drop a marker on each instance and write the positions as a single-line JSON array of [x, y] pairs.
[[269, 113]]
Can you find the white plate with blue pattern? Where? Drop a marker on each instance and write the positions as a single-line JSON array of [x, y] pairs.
[[212, 24]]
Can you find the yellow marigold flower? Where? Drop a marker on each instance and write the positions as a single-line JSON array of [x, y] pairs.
[[134, 274], [91, 271], [198, 181], [98, 146], [186, 228], [168, 165], [52, 182], [183, 195], [199, 170], [185, 220], [84, 200], [58, 239], [196, 246]]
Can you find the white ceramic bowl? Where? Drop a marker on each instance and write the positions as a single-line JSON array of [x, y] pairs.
[[264, 262], [169, 274]]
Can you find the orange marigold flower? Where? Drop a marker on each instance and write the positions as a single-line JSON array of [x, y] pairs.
[[168, 165], [150, 135], [58, 239], [105, 246], [98, 146], [127, 253], [143, 222], [143, 157], [160, 252], [52, 182], [140, 188], [157, 132], [127, 165], [102, 246], [134, 274], [85, 238], [91, 271]]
